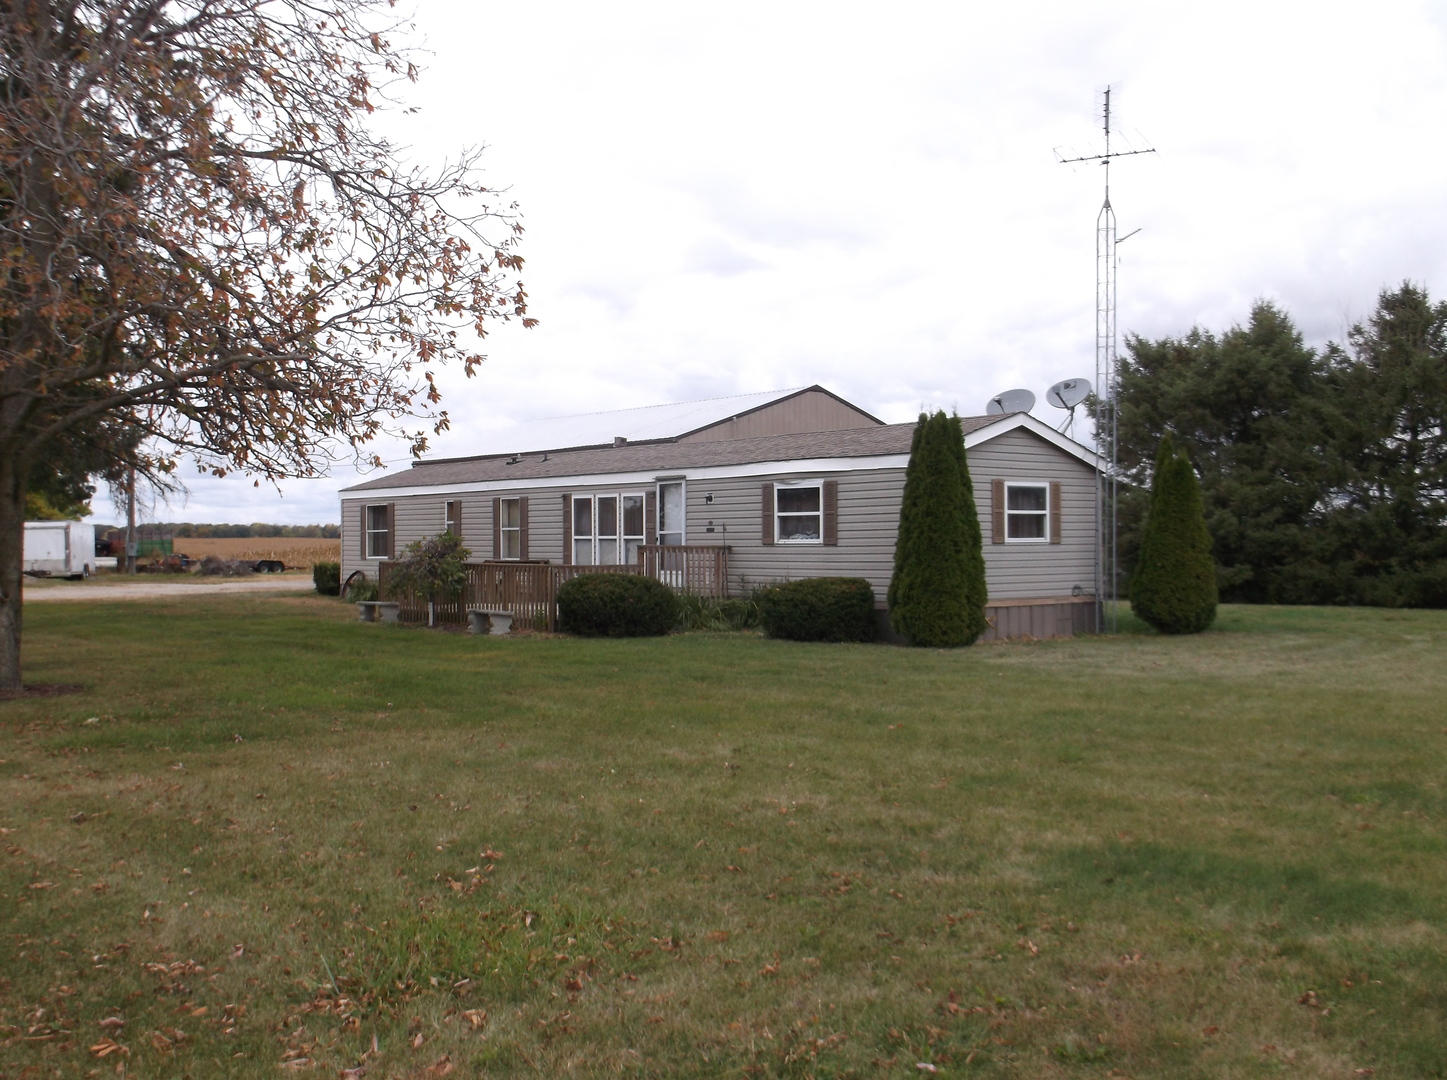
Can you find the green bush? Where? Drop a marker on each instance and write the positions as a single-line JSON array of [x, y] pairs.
[[362, 589], [714, 613], [616, 605], [327, 578], [818, 609], [1174, 584], [937, 594]]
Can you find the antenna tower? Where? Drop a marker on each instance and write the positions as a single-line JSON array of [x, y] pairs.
[[1106, 383]]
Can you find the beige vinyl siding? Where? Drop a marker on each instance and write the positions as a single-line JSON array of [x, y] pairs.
[[1017, 571], [809, 411], [868, 522]]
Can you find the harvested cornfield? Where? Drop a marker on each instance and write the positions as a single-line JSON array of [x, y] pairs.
[[300, 551]]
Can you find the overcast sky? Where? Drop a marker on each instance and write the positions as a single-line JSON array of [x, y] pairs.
[[758, 196]]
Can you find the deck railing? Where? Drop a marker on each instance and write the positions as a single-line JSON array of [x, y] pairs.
[[530, 589]]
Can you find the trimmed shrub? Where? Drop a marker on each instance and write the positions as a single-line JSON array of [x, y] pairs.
[[616, 605], [1174, 584], [937, 594], [818, 609], [327, 578]]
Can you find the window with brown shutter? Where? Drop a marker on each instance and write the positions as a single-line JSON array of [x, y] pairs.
[[567, 530], [768, 522], [1055, 511], [650, 516], [364, 530], [452, 517], [496, 528], [831, 513], [997, 511], [523, 527]]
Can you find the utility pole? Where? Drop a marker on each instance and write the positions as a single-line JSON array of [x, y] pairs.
[[131, 547], [1106, 385]]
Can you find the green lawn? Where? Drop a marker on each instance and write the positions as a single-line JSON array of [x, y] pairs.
[[266, 833]]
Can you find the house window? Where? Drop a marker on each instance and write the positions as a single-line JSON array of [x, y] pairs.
[[632, 527], [379, 532], [510, 520], [452, 517], [1027, 512], [670, 513], [607, 529], [582, 530], [799, 514]]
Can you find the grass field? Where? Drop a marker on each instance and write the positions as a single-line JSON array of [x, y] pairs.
[[266, 835]]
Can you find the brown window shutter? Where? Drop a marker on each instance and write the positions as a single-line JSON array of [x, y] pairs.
[[391, 530], [567, 530], [650, 516], [831, 513], [1055, 511], [364, 530], [768, 523], [523, 527], [496, 529], [997, 511]]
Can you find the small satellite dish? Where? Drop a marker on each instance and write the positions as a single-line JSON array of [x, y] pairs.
[[1068, 393], [1010, 401]]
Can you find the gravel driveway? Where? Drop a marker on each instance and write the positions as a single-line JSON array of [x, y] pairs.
[[142, 590]]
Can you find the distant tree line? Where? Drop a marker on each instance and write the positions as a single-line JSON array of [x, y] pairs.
[[1323, 474], [184, 530]]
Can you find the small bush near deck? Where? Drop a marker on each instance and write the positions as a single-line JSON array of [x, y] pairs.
[[616, 605], [818, 609], [714, 613], [327, 578], [362, 589]]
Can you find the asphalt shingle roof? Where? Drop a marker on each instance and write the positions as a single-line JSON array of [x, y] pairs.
[[661, 456]]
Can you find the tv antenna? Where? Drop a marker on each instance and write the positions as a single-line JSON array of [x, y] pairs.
[[1106, 381]]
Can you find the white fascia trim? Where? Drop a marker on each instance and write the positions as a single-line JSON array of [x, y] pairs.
[[1037, 427], [713, 472]]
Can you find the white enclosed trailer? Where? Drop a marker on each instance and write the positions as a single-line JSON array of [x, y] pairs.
[[59, 548]]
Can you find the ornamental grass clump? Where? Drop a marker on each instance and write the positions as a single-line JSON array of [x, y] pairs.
[[1174, 584], [818, 609], [616, 605], [937, 594]]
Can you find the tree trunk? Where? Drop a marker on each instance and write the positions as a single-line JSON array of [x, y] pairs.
[[12, 561]]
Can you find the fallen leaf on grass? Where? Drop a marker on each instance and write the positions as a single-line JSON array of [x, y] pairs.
[[441, 1067], [106, 1047], [475, 1017], [112, 1023], [417, 1040], [1212, 1030], [717, 935], [925, 1066]]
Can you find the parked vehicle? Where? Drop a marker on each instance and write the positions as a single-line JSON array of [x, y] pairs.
[[59, 549]]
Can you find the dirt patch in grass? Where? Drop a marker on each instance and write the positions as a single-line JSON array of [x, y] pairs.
[[41, 690]]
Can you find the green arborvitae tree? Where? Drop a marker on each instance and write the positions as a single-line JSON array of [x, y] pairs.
[[977, 591], [937, 594], [1174, 584]]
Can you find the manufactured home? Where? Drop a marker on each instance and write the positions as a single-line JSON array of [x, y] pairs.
[[798, 485]]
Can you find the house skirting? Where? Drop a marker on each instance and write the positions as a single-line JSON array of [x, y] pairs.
[[1034, 617], [1039, 617]]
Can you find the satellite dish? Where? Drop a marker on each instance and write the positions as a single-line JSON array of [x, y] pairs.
[[1068, 393], [1010, 401]]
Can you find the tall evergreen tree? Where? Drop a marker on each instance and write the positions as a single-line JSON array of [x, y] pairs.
[[1384, 539], [1253, 410], [937, 593], [1174, 584]]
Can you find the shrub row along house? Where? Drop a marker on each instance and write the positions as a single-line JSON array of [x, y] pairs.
[[726, 495]]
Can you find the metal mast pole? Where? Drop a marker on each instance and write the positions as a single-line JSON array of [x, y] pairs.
[[1106, 387]]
